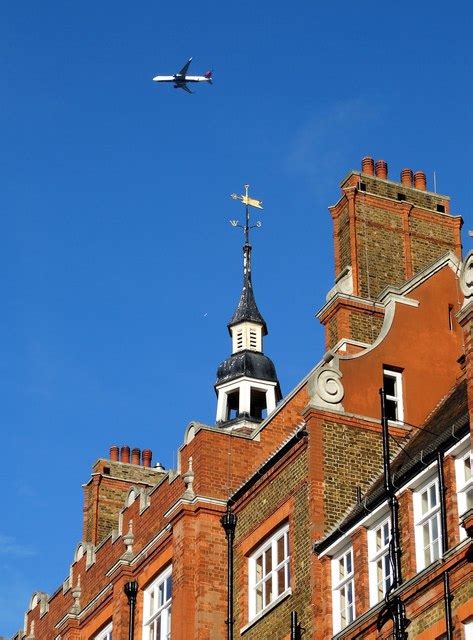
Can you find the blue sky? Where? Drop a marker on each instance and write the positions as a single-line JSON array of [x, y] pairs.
[[120, 269]]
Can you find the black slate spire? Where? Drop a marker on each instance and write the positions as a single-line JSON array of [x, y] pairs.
[[247, 309]]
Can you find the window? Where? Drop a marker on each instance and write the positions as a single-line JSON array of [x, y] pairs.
[[464, 483], [468, 629], [157, 608], [380, 570], [343, 590], [105, 634], [392, 385], [268, 572], [427, 524]]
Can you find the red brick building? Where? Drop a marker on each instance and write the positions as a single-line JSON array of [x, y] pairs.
[[316, 532]]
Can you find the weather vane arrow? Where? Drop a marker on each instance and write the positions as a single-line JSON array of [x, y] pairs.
[[252, 202]]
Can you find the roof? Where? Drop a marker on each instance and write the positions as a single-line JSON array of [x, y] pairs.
[[446, 425], [247, 309], [252, 364]]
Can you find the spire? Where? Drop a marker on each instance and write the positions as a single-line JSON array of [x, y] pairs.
[[247, 309], [247, 385]]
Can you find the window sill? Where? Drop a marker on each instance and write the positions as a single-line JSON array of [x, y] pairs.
[[269, 608]]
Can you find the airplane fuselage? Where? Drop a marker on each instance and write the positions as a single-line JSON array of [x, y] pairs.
[[181, 79]]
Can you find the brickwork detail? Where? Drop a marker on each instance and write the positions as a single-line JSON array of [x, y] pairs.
[[105, 494], [291, 482], [436, 612], [352, 457], [424, 200], [365, 327], [344, 240], [381, 256]]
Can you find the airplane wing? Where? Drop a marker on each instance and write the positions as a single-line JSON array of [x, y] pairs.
[[184, 69], [185, 87]]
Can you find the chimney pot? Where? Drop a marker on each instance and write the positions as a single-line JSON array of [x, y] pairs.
[[381, 169], [146, 456], [125, 454], [420, 181], [406, 177], [114, 453], [135, 456], [367, 165]]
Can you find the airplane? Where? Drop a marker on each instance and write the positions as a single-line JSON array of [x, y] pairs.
[[180, 79]]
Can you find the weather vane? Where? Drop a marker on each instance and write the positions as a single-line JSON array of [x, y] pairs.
[[249, 202]]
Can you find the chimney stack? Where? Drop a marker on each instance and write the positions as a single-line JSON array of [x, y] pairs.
[[146, 457], [135, 456], [381, 169], [125, 454], [407, 177], [420, 181], [367, 165], [114, 453]]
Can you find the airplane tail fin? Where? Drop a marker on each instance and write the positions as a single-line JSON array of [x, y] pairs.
[[208, 75]]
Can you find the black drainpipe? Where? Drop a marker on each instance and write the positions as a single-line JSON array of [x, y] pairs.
[[395, 606], [443, 509], [131, 589], [228, 522], [395, 545], [294, 626], [447, 598]]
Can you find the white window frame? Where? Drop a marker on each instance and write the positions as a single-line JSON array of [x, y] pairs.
[[156, 610], [464, 484], [105, 634], [269, 548], [342, 587], [431, 519], [379, 560], [468, 629], [398, 396]]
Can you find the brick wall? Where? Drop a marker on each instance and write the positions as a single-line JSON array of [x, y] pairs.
[[289, 483], [105, 494], [365, 327], [352, 457]]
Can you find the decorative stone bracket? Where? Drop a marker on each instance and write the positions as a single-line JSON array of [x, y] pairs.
[[466, 278], [325, 386]]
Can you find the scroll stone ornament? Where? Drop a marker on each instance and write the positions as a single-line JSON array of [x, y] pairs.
[[466, 278], [326, 389]]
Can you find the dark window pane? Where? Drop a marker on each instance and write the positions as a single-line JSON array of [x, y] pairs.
[[391, 409], [389, 385]]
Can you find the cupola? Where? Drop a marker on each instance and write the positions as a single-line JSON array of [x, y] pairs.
[[247, 386]]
